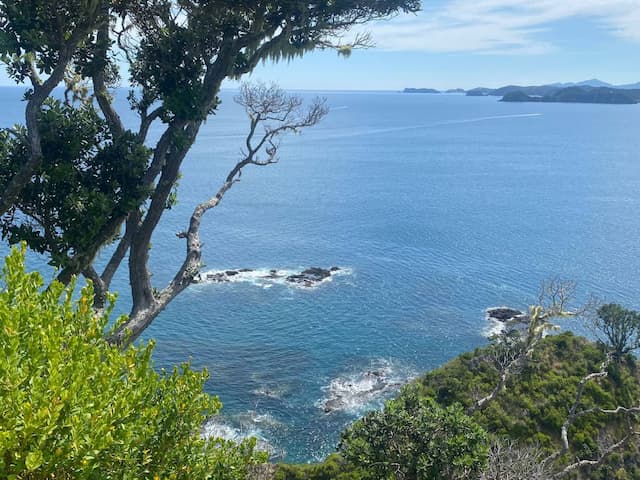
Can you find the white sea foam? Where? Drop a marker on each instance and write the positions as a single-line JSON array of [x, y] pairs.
[[250, 424], [270, 392], [354, 392], [493, 327]]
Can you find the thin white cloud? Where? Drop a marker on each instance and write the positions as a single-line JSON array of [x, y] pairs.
[[501, 26]]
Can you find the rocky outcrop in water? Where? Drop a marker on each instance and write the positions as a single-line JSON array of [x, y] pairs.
[[219, 277], [311, 276], [306, 278], [506, 315], [344, 393]]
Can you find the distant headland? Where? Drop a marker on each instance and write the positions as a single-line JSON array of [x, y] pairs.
[[588, 91]]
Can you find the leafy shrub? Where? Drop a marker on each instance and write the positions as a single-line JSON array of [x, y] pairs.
[[74, 407], [333, 468], [426, 442]]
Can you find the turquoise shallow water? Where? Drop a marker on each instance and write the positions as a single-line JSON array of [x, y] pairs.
[[436, 206]]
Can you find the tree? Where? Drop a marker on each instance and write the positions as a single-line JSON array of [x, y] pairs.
[[178, 53], [75, 407], [416, 439], [511, 349], [508, 460], [618, 329]]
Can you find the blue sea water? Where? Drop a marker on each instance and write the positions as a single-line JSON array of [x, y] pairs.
[[435, 206]]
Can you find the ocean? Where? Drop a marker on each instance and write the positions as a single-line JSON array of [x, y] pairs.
[[434, 207]]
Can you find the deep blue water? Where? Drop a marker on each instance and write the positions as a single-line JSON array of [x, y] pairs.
[[437, 207]]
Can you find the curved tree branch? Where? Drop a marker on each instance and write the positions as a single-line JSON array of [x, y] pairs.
[[150, 305]]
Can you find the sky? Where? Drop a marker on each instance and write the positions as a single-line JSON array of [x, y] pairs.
[[471, 43]]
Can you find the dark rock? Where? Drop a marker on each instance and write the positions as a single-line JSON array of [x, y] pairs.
[[334, 404], [245, 270], [272, 274], [310, 277], [218, 277], [231, 273], [505, 314], [334, 269]]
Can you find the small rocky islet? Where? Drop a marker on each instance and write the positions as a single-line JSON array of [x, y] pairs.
[[309, 277], [506, 315]]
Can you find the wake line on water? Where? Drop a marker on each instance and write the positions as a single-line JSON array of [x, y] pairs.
[[428, 125]]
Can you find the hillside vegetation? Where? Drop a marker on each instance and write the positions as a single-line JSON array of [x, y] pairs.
[[527, 416]]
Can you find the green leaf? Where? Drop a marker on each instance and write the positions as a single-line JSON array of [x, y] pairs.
[[34, 460]]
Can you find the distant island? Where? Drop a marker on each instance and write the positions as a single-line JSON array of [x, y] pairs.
[[433, 90], [578, 95], [588, 91], [421, 90]]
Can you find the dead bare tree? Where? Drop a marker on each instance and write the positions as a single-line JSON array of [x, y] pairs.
[[510, 461], [509, 353], [272, 113], [606, 448], [511, 350]]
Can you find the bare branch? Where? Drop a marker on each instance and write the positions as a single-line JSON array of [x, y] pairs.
[[507, 354], [146, 122], [508, 460], [599, 461], [554, 295], [571, 418]]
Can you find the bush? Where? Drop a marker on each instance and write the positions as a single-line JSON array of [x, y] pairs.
[[425, 442], [75, 407], [333, 468]]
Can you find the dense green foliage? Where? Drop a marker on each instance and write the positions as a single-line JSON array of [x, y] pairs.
[[335, 467], [86, 178], [619, 329], [535, 403], [426, 442], [74, 407]]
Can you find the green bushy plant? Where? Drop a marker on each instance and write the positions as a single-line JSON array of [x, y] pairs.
[[74, 407], [334, 467], [424, 442]]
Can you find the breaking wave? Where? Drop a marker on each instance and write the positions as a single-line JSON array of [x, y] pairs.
[[356, 392], [250, 424]]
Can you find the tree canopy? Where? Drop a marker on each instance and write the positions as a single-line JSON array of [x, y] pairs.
[[74, 178], [618, 328]]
